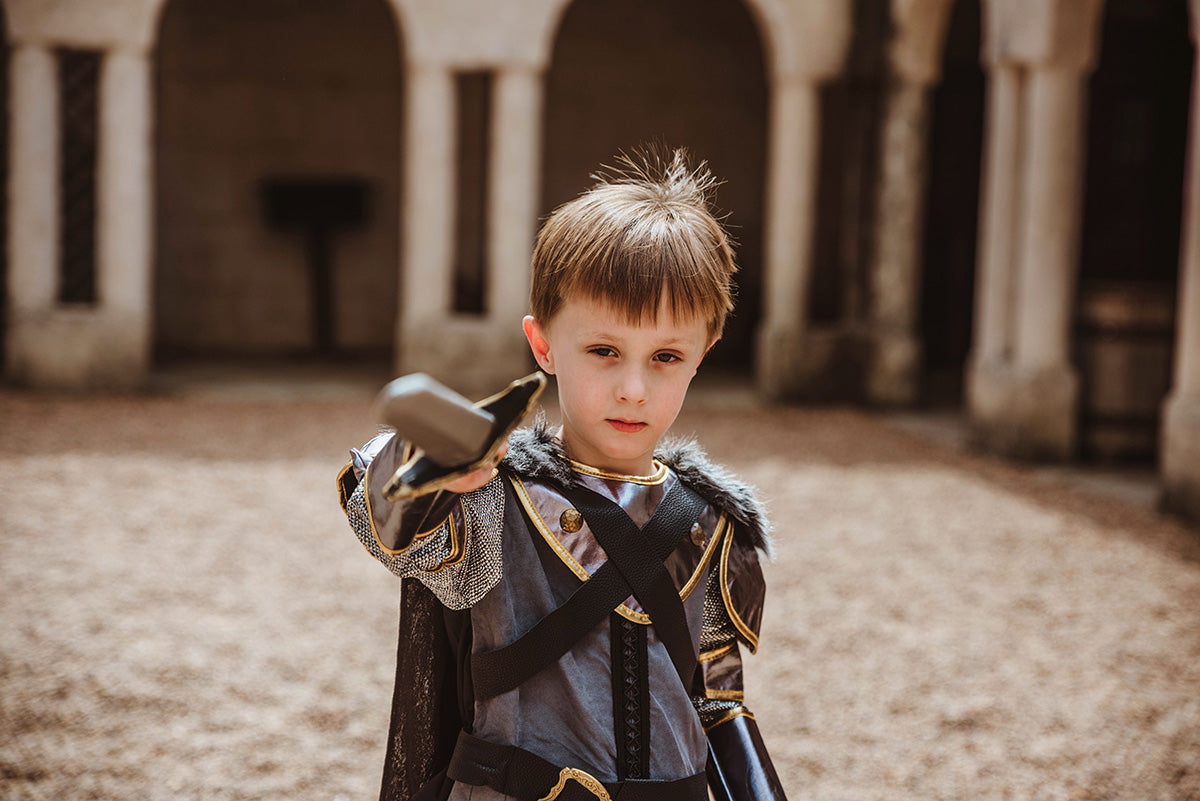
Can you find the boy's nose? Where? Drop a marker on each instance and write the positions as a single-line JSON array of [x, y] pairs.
[[632, 388]]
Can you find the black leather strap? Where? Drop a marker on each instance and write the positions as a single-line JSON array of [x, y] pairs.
[[625, 545], [504, 669], [526, 776]]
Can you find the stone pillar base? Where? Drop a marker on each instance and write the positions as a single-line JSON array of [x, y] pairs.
[[894, 374], [474, 356], [1024, 414], [78, 349], [819, 364], [1181, 457]]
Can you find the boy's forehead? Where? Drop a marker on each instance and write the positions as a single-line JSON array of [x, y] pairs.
[[600, 316]]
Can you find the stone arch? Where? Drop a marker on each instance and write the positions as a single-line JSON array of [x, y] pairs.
[[677, 71], [271, 127], [1139, 97], [952, 208]]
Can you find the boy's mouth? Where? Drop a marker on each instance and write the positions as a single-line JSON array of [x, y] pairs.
[[626, 426]]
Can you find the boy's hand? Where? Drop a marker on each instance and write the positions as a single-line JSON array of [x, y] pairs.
[[473, 481]]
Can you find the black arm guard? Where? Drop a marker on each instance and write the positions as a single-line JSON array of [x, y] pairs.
[[739, 767]]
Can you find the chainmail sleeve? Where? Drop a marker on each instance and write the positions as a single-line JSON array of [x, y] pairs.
[[457, 556], [736, 581], [721, 694]]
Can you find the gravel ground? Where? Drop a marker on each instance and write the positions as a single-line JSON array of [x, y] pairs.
[[186, 614]]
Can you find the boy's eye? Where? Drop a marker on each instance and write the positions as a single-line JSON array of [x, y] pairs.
[[600, 350], [666, 358]]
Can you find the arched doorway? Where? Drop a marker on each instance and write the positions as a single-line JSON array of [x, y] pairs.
[[1137, 138], [952, 209], [682, 72], [278, 171]]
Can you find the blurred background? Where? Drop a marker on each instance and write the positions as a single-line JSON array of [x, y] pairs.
[[972, 205], [979, 216]]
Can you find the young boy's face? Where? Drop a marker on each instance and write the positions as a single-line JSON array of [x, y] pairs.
[[620, 383]]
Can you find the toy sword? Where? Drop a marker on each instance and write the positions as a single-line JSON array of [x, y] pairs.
[[453, 437]]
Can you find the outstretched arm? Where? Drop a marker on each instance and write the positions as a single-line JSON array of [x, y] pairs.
[[447, 540]]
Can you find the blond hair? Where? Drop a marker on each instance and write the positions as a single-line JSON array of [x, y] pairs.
[[642, 238]]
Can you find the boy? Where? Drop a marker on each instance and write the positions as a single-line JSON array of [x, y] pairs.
[[560, 690]]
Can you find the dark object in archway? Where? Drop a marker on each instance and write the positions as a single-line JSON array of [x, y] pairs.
[[316, 207]]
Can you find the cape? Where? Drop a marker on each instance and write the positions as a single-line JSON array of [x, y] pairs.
[[431, 698]]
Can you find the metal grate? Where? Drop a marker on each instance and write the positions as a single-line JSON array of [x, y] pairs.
[[79, 85]]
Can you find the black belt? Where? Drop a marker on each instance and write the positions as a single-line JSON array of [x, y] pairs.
[[526, 776]]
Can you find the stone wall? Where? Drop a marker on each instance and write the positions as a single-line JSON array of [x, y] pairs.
[[273, 88]]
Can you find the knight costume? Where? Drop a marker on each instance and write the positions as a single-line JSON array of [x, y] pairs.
[[567, 632]]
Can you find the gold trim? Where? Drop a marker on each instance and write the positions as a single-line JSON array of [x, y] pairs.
[[589, 782], [738, 623], [716, 653], [547, 534], [736, 712], [705, 558], [342, 499], [459, 550], [580, 572], [371, 520], [657, 477], [725, 695]]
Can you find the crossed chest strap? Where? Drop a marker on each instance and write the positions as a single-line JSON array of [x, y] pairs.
[[634, 567]]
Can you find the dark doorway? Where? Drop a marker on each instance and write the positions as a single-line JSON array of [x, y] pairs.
[[952, 209], [1137, 139], [680, 72], [277, 93]]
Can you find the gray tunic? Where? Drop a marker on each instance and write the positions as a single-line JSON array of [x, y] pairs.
[[511, 552]]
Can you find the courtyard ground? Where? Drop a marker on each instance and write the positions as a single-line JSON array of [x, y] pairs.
[[187, 616]]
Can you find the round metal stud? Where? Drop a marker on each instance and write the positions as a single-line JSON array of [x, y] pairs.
[[571, 521], [697, 534]]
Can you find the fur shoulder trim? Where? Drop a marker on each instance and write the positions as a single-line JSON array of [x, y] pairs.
[[719, 487], [535, 452]]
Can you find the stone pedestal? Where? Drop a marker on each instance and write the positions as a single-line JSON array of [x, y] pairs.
[[1180, 454], [471, 354], [1021, 412]]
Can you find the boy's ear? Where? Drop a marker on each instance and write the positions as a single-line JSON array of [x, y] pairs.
[[538, 343]]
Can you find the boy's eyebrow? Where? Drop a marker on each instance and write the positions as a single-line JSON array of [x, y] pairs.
[[669, 343]]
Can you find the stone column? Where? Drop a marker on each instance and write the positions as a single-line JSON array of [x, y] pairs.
[[1023, 389], [125, 214], [782, 361], [1047, 384], [428, 210], [1180, 445], [988, 365], [513, 187], [914, 65], [33, 224]]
